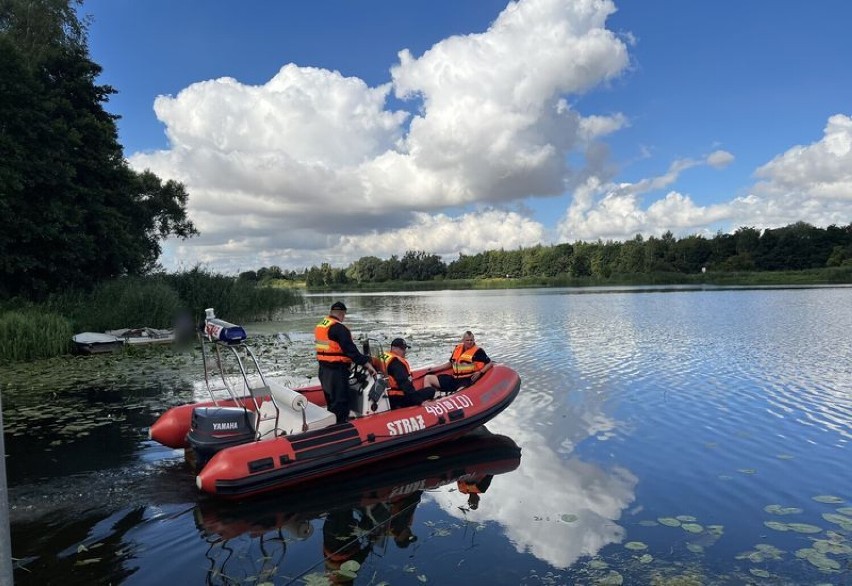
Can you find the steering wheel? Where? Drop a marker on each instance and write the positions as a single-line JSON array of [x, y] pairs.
[[358, 375]]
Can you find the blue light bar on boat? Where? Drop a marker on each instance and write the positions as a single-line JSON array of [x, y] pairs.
[[218, 329]]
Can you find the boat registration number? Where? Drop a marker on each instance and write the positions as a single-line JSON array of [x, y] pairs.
[[447, 404]]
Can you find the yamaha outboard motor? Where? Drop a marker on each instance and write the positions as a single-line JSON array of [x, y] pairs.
[[216, 428]]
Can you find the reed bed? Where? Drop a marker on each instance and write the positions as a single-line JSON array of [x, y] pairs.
[[30, 335], [30, 331]]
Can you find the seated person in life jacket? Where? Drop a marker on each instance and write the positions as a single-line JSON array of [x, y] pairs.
[[468, 361], [401, 391], [473, 486]]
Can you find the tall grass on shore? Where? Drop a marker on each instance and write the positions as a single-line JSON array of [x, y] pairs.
[[132, 302], [30, 335], [29, 331], [233, 299]]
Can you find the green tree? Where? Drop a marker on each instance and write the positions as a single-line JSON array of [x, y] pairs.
[[80, 214]]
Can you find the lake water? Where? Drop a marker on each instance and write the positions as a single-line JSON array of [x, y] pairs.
[[672, 436]]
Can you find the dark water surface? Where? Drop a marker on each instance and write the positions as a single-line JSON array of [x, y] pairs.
[[660, 437]]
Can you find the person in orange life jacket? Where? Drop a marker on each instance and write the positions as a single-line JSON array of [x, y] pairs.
[[402, 518], [468, 361], [342, 541], [473, 487], [401, 391], [335, 353]]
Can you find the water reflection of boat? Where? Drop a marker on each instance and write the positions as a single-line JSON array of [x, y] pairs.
[[267, 436], [360, 510]]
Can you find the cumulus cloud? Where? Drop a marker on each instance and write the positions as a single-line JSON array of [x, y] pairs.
[[313, 161], [448, 236], [811, 183], [613, 211], [313, 166]]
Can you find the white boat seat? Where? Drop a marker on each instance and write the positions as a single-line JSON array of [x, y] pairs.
[[362, 404], [288, 418]]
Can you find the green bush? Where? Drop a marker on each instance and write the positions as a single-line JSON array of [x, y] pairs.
[[31, 334], [235, 300], [29, 331], [130, 302]]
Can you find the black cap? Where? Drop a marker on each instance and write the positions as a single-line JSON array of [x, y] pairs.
[[338, 305], [399, 343]]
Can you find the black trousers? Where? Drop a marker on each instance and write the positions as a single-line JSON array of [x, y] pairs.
[[335, 384], [411, 399]]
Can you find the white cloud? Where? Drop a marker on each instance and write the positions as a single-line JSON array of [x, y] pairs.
[[448, 236], [314, 167], [312, 160], [613, 211], [811, 183]]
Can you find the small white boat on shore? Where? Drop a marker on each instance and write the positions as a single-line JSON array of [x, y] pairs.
[[113, 340]]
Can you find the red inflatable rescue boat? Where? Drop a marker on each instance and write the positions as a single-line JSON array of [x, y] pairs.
[[265, 436]]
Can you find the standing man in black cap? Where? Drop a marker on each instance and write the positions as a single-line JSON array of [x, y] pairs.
[[401, 391], [335, 352]]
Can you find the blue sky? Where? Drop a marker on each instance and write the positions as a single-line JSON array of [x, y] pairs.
[[326, 131]]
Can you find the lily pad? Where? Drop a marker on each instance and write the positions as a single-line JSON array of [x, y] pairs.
[[695, 548], [845, 511], [817, 559], [777, 526], [316, 579], [646, 559], [692, 527], [350, 566], [759, 573], [826, 546], [669, 521], [612, 579], [779, 510], [769, 550], [686, 518], [635, 545], [804, 528], [569, 518], [763, 552], [830, 499], [836, 518], [597, 564]]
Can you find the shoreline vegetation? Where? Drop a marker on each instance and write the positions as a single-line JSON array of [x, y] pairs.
[[31, 331], [808, 277]]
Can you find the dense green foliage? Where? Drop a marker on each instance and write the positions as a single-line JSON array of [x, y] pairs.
[[797, 247], [413, 266], [32, 334], [233, 299], [75, 212], [158, 300], [36, 330]]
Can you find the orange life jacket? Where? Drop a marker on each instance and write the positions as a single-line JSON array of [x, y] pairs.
[[328, 350], [468, 487], [463, 364], [394, 389]]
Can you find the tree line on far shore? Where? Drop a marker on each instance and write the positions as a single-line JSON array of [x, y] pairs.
[[795, 247]]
